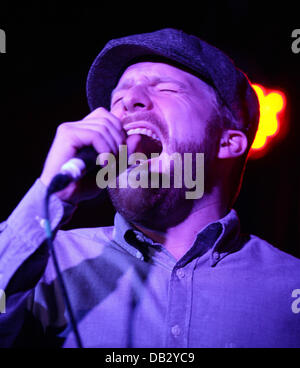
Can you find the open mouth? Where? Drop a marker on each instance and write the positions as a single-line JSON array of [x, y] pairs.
[[148, 143]]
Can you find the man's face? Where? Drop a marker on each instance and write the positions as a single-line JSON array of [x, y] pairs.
[[175, 108], [174, 104]]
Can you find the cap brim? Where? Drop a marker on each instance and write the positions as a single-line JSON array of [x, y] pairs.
[[108, 68]]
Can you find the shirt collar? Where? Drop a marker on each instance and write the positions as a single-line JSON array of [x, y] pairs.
[[228, 240], [220, 236]]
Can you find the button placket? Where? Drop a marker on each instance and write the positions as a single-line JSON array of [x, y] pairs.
[[176, 336]]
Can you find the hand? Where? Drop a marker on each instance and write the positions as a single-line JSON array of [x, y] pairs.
[[100, 129]]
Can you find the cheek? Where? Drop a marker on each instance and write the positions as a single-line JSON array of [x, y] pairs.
[[116, 110], [186, 124], [175, 114]]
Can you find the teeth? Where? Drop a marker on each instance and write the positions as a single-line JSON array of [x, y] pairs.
[[143, 131]]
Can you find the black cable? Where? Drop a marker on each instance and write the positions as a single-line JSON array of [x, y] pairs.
[[58, 183]]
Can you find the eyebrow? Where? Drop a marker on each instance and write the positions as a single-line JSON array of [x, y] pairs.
[[153, 80]]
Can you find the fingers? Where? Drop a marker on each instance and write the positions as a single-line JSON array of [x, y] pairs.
[[103, 116], [99, 135], [100, 128], [102, 113], [102, 122]]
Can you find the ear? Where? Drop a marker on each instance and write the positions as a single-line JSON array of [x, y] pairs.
[[233, 143]]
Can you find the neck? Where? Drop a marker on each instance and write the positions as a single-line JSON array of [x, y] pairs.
[[180, 238]]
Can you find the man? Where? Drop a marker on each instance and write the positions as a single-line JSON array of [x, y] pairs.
[[172, 271]]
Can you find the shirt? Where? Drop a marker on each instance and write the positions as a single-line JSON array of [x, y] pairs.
[[228, 290]]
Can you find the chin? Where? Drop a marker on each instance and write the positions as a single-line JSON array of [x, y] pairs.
[[157, 208], [153, 208]]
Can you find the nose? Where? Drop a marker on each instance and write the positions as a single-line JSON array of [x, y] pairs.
[[137, 99]]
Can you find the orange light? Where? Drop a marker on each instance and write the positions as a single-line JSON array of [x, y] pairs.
[[271, 104]]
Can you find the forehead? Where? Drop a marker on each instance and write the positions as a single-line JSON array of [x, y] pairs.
[[156, 71], [149, 68]]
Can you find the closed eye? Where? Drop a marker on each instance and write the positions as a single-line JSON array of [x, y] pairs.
[[168, 87], [167, 90], [116, 101]]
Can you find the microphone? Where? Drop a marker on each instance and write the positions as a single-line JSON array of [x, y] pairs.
[[74, 169], [83, 162]]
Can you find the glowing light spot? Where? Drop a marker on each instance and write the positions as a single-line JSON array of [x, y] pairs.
[[271, 104]]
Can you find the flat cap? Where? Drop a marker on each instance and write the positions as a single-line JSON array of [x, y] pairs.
[[208, 62]]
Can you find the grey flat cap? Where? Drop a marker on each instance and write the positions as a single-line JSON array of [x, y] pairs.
[[208, 62]]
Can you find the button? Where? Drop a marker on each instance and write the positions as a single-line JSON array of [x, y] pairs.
[[175, 331], [216, 256], [180, 273]]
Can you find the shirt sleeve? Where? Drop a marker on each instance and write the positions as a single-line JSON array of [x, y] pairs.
[[24, 256], [23, 232]]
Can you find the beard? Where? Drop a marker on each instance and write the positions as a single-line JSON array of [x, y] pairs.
[[162, 208]]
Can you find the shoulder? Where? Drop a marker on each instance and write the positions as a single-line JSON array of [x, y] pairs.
[[271, 253], [269, 260], [97, 234], [73, 247]]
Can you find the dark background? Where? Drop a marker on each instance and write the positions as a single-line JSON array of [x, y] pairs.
[[50, 47]]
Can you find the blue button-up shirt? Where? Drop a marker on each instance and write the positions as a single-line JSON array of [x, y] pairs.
[[228, 290]]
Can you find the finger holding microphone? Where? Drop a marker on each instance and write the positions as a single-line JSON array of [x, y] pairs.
[[100, 131]]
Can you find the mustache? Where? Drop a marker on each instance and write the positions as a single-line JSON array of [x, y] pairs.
[[150, 117]]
